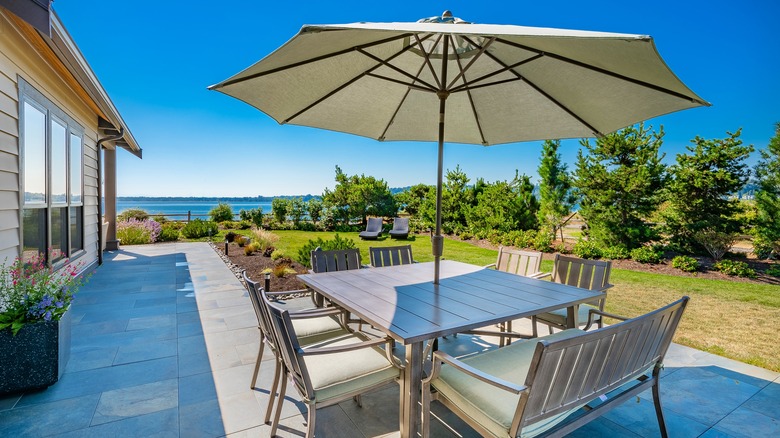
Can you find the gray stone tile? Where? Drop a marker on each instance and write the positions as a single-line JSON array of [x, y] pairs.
[[147, 322], [197, 389], [104, 379], [88, 358], [746, 423], [42, 419], [196, 363], [638, 416], [146, 351], [601, 427], [136, 401], [331, 421], [713, 433], [767, 401], [379, 414], [202, 419]]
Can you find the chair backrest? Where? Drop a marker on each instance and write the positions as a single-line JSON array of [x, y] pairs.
[[374, 224], [401, 224], [390, 255], [587, 274], [568, 372], [518, 262], [255, 292], [335, 260], [288, 347]]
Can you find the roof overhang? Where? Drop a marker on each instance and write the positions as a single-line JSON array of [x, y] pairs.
[[59, 49], [35, 12]]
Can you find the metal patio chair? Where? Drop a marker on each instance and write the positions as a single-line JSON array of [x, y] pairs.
[[390, 255]]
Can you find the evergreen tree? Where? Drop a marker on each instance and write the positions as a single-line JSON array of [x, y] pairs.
[[360, 196], [699, 194], [505, 206], [767, 232], [556, 197], [619, 180]]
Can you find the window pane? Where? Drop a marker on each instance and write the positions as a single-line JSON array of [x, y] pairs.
[[34, 224], [59, 233], [75, 168], [76, 229], [34, 150], [59, 163]]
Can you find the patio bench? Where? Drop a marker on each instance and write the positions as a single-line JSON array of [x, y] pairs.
[[538, 387]]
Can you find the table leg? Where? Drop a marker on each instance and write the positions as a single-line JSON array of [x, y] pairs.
[[411, 384], [572, 316]]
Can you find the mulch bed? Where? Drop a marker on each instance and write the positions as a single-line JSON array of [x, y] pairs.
[[256, 263]]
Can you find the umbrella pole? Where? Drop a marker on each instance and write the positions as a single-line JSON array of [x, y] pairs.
[[437, 241]]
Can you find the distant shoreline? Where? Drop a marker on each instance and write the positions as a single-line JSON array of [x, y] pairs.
[[210, 198]]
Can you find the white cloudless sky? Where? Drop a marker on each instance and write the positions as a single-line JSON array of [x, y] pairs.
[[156, 58]]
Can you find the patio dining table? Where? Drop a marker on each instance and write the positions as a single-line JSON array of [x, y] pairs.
[[403, 302]]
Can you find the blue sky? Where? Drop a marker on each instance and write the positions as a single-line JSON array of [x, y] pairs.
[[156, 58]]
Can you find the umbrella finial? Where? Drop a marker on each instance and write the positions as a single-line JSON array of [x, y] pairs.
[[446, 14]]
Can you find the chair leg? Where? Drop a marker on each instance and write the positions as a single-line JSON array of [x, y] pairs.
[[549, 327], [426, 410], [311, 421], [358, 400], [257, 364], [509, 330], [272, 392], [658, 412], [279, 404], [534, 331], [501, 329]]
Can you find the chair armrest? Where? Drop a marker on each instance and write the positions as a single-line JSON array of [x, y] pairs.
[[492, 265], [315, 313], [497, 334], [594, 312], [473, 372], [345, 348], [287, 292], [540, 275], [607, 286]]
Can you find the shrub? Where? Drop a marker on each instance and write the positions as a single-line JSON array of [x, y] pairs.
[[542, 242], [277, 254], [160, 219], [222, 212], [230, 225], [241, 241], [280, 270], [617, 252], [304, 254], [245, 225], [169, 232], [230, 236], [268, 251], [774, 271], [586, 249], [251, 248], [715, 242], [735, 268], [645, 254], [198, 228], [135, 232], [561, 248], [132, 213], [265, 238], [685, 263]]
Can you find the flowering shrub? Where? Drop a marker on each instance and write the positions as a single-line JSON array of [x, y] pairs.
[[135, 232], [33, 292]]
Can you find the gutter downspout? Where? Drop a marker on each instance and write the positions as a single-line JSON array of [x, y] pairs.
[[100, 187]]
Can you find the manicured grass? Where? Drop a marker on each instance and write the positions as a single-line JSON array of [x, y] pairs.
[[731, 319]]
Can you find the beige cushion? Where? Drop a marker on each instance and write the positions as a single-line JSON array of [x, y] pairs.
[[311, 330], [558, 316], [296, 304], [486, 404], [334, 375]]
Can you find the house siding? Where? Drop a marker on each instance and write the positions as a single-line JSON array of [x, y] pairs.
[[20, 59]]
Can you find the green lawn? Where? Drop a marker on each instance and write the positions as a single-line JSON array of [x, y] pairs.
[[731, 319]]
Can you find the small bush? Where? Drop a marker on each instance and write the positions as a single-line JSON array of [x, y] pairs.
[[615, 253], [244, 225], [561, 248], [160, 219], [542, 242], [735, 268], [198, 228], [586, 249], [277, 254], [169, 232], [135, 232], [222, 212], [304, 254], [715, 242], [268, 251], [230, 225], [230, 236], [241, 241], [251, 248], [685, 263], [265, 238], [645, 254], [132, 213], [774, 271]]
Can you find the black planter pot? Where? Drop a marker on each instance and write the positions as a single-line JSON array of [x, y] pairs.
[[36, 357]]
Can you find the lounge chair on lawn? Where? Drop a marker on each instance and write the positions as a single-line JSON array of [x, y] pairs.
[[400, 228], [373, 229]]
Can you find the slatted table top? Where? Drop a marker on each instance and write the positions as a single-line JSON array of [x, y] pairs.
[[403, 302]]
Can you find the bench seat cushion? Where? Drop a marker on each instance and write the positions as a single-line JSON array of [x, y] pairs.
[[486, 404]]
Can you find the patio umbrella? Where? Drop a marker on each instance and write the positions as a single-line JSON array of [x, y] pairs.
[[487, 84]]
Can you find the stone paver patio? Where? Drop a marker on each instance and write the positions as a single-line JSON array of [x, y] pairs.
[[164, 343]]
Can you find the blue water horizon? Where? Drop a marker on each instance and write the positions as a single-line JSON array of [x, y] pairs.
[[194, 208]]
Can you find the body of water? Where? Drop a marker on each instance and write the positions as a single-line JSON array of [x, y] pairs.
[[197, 209]]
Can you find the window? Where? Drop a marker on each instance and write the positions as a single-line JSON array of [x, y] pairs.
[[52, 174]]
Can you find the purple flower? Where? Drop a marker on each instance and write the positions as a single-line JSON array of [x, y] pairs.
[[59, 304], [47, 316]]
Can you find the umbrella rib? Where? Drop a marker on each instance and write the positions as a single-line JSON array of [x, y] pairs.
[[468, 93], [427, 57], [398, 70], [467, 84], [606, 72], [398, 108], [308, 61], [540, 91], [471, 62], [398, 81]]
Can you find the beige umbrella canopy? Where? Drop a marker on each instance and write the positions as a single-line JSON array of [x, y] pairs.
[[487, 84]]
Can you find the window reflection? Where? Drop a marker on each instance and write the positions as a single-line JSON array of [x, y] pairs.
[[59, 163], [34, 225], [75, 168], [34, 132]]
